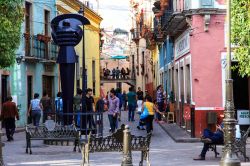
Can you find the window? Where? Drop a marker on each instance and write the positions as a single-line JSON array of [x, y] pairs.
[[170, 79], [182, 82], [27, 17], [46, 22], [206, 3], [177, 85], [93, 70], [188, 84], [46, 33], [27, 23]]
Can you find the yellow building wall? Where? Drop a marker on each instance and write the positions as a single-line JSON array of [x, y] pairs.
[[155, 57], [92, 55], [92, 42]]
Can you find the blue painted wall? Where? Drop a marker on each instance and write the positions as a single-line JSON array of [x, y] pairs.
[[18, 76], [167, 52]]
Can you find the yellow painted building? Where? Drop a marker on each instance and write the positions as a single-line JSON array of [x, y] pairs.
[[155, 58], [92, 44]]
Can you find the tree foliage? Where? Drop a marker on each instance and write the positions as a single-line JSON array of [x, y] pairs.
[[241, 34], [11, 17]]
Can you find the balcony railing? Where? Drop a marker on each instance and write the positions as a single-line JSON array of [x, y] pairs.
[[37, 48], [166, 17], [135, 34]]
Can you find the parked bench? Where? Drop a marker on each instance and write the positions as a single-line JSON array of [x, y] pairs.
[[114, 143], [48, 133], [240, 145]]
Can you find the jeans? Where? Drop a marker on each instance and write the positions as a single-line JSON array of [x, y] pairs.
[[46, 113], [216, 137], [112, 121], [59, 118], [77, 118], [131, 112], [10, 127], [36, 115], [148, 121], [90, 121], [160, 108]]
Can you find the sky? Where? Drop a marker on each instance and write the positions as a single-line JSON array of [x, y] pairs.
[[115, 13]]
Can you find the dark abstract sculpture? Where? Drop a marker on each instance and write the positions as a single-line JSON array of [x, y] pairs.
[[67, 33]]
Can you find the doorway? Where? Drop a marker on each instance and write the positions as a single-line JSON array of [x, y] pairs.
[[48, 85], [5, 88], [29, 94]]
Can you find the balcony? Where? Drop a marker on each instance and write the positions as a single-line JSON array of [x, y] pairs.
[[39, 49], [135, 34]]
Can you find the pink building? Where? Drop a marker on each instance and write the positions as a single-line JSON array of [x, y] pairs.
[[192, 37]]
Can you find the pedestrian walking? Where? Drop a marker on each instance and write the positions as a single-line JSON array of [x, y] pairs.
[[124, 100], [160, 102], [77, 104], [127, 72], [47, 106], [123, 73], [59, 108], [117, 73], [100, 110], [139, 95], [35, 109], [113, 73], [8, 115], [147, 115], [119, 95], [131, 96], [113, 110], [90, 105]]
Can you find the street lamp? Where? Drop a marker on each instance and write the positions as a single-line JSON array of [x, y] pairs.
[[229, 157], [19, 59]]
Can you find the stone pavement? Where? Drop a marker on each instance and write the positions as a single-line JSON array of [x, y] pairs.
[[164, 152]]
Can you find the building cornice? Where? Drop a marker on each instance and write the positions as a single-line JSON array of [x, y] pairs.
[[62, 9], [75, 4], [204, 11]]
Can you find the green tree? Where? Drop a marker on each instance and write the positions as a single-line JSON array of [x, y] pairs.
[[11, 17], [241, 35]]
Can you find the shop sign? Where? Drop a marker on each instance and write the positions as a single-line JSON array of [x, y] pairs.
[[182, 45], [243, 117]]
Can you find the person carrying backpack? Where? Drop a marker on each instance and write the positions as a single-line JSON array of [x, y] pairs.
[[59, 108]]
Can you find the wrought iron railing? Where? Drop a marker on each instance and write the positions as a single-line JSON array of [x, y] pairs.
[[40, 49], [135, 33]]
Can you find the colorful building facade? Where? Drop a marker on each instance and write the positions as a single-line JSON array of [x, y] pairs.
[[36, 70], [141, 50], [192, 36]]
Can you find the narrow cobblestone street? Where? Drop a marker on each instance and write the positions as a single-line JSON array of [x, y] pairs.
[[164, 152]]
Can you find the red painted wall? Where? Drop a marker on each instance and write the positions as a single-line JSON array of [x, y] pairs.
[[206, 50], [201, 121]]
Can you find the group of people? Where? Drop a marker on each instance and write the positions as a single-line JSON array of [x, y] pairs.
[[116, 73], [44, 108], [133, 101]]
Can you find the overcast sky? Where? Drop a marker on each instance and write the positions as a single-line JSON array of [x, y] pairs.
[[115, 13]]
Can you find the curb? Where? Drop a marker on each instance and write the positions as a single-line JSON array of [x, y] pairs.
[[180, 139]]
